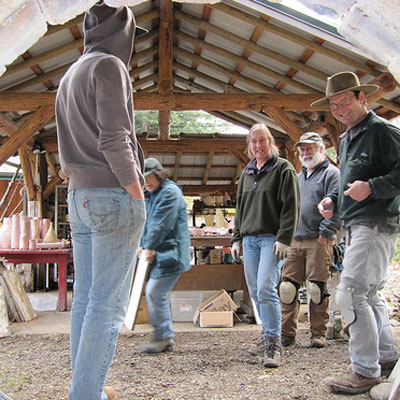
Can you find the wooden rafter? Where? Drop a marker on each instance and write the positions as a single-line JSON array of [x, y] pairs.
[[25, 132]]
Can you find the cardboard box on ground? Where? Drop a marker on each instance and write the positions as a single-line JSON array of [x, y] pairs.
[[216, 311]]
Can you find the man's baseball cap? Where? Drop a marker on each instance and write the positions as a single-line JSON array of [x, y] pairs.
[[310, 137], [151, 165]]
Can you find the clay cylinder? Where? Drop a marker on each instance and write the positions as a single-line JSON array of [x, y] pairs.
[[5, 234], [15, 231], [24, 232], [35, 228], [45, 227]]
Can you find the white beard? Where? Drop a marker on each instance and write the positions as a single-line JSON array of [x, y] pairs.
[[311, 164]]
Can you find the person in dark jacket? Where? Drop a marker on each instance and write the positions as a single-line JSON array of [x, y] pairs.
[[166, 245], [368, 200], [310, 255], [100, 155], [267, 212]]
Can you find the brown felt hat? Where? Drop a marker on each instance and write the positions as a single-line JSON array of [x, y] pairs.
[[340, 83]]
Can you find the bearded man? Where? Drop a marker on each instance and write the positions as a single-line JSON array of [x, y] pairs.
[[310, 254]]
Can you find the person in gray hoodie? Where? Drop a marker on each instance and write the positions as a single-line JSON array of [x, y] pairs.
[[310, 254], [100, 154]]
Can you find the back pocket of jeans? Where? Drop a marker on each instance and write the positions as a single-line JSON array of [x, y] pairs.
[[103, 214]]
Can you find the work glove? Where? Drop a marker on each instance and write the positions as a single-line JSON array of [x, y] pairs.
[[280, 250], [235, 251]]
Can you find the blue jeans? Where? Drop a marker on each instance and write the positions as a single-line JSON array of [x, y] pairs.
[[106, 227], [367, 256], [158, 307], [263, 270]]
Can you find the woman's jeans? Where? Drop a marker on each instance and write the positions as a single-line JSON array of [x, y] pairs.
[[367, 255], [263, 271], [158, 307], [106, 228]]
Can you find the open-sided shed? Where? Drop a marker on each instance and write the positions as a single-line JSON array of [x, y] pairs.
[[244, 61]]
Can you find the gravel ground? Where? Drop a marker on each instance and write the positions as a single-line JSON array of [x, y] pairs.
[[204, 365]]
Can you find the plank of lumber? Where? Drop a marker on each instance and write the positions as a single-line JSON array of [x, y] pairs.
[[4, 321], [18, 295]]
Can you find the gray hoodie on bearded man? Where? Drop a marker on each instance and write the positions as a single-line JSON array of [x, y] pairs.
[[94, 107]]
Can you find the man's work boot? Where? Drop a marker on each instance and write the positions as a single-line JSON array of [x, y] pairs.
[[272, 353], [318, 341], [288, 340], [110, 393], [259, 349], [352, 383], [157, 346], [387, 367]]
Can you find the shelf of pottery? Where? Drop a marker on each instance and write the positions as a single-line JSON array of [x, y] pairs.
[[61, 217], [27, 233]]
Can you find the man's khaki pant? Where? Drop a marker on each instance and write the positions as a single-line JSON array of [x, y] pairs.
[[307, 260]]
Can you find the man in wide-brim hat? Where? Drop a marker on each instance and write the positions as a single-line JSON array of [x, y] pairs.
[[368, 201]]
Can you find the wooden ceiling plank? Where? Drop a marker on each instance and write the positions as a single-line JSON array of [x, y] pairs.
[[40, 78], [71, 46], [296, 38], [25, 132], [250, 64], [285, 60]]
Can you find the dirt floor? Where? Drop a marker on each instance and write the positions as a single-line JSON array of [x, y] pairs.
[[204, 365]]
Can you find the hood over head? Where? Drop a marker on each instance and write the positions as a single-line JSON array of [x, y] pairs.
[[110, 30]]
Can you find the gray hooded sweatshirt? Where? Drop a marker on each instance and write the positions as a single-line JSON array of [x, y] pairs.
[[94, 107]]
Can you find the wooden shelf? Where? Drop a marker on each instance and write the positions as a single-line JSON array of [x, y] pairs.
[[213, 277]]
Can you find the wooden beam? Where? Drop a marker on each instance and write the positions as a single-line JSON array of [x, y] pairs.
[[179, 102], [9, 128], [210, 160], [51, 186], [165, 47], [164, 124], [280, 117], [24, 156], [196, 190], [26, 131], [178, 158]]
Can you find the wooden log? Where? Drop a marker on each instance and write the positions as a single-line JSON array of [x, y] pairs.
[[18, 295], [12, 310], [4, 321]]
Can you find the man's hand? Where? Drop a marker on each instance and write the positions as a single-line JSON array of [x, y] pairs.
[[322, 240], [358, 190], [149, 255], [280, 250], [326, 207], [135, 190], [235, 251]]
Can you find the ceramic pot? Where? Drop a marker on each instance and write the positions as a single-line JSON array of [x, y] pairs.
[[51, 236]]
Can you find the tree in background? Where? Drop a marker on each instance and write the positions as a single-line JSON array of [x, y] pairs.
[[184, 122]]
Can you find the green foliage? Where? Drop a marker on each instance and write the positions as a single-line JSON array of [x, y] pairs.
[[396, 257], [183, 122]]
